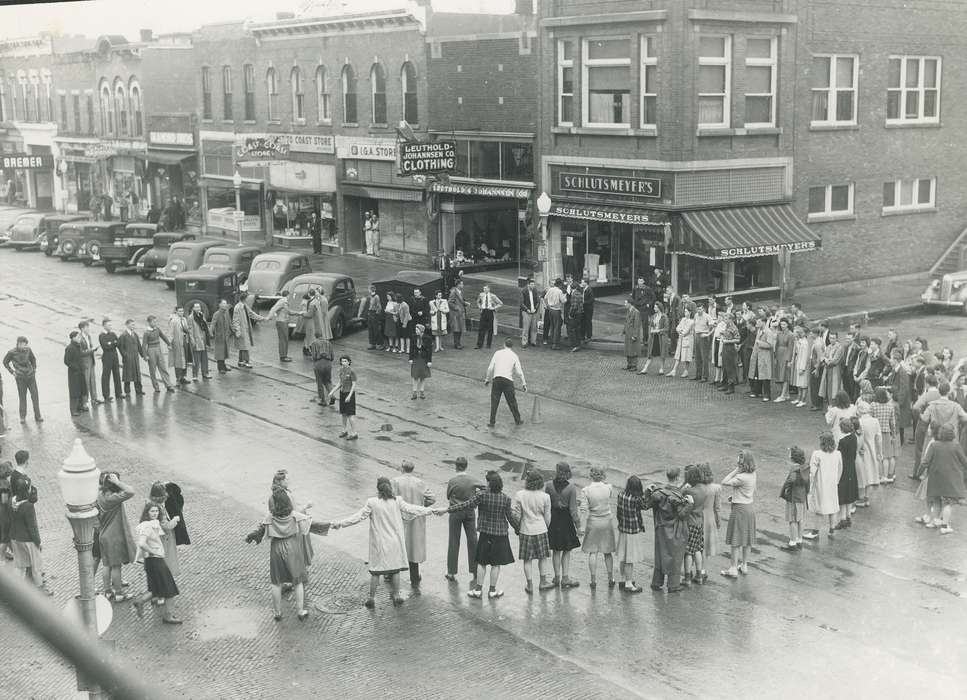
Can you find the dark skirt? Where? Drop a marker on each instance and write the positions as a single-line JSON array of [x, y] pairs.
[[347, 407], [160, 581], [494, 550], [561, 535], [419, 370], [848, 487], [390, 325]]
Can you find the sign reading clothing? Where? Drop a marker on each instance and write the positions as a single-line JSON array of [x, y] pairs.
[[610, 184], [427, 158], [771, 249], [25, 161]]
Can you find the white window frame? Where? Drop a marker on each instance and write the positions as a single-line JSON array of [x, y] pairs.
[[914, 206], [833, 90], [920, 89], [727, 96], [828, 213], [323, 97], [562, 64], [773, 64], [647, 90], [589, 63]]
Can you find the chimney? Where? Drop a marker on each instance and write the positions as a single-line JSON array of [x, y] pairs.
[[147, 35], [524, 8]]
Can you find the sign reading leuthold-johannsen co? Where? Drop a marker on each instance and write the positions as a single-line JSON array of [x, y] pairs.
[[427, 158]]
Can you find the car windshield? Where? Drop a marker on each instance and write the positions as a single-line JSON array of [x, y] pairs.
[[267, 265], [26, 221], [217, 259], [179, 254]]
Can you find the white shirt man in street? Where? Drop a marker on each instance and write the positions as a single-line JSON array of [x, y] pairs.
[[488, 303], [554, 299], [530, 306], [503, 370]]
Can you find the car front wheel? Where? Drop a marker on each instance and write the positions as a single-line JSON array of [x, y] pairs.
[[338, 326]]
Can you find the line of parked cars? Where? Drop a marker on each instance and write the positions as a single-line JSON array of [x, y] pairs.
[[199, 270]]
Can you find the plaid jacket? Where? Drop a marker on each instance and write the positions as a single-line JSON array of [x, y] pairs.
[[493, 512], [885, 414], [629, 513]]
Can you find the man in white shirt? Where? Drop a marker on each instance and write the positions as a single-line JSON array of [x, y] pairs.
[[704, 325], [530, 305], [504, 368], [554, 299], [488, 303]]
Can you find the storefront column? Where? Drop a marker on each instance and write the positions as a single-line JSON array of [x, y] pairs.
[[674, 271]]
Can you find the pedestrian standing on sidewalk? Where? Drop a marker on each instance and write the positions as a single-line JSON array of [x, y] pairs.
[[631, 527], [319, 305], [702, 330], [151, 552], [25, 536], [368, 232], [883, 409], [530, 307], [88, 358], [782, 359], [831, 382], [458, 313], [221, 332], [387, 541], [404, 325], [632, 336], [870, 451], [420, 309], [373, 313], [594, 507], [307, 320], [945, 467], [531, 507], [115, 543], [554, 299], [22, 364], [794, 491], [799, 365], [670, 509], [178, 334], [421, 359], [847, 491], [704, 497], [741, 532], [760, 362], [487, 303], [131, 351], [347, 398], [375, 222], [504, 368], [825, 470], [280, 314], [110, 362], [657, 339], [900, 392], [242, 318], [562, 533], [839, 408], [684, 348], [158, 495], [6, 496], [587, 323], [391, 323], [575, 318], [199, 338], [151, 340], [461, 489], [321, 352], [315, 232], [76, 374], [439, 308], [414, 491]]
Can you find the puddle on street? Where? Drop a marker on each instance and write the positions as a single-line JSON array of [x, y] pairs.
[[509, 465], [228, 622]]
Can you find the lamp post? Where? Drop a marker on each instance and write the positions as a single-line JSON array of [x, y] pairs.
[[239, 215], [543, 209], [79, 479]]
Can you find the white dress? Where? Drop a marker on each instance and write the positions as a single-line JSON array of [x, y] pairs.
[[686, 339], [387, 543], [834, 415], [825, 468], [867, 466]]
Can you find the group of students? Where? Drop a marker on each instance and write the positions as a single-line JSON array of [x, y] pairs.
[[19, 532]]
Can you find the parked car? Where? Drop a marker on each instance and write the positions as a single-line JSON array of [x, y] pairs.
[[237, 258], [343, 300], [270, 272], [950, 292], [25, 232], [50, 236], [206, 287], [157, 257], [70, 240], [185, 256], [405, 281], [127, 249]]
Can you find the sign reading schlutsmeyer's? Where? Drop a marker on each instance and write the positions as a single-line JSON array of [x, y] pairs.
[[609, 184]]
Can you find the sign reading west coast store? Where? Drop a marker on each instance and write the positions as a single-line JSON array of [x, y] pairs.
[[609, 184]]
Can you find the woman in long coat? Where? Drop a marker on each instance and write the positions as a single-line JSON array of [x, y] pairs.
[[242, 317], [129, 345], [439, 308], [760, 362], [782, 360], [320, 315], [178, 334], [869, 454], [414, 491], [825, 469], [458, 314], [945, 467], [221, 332], [115, 541], [632, 335], [902, 394], [799, 366], [831, 382]]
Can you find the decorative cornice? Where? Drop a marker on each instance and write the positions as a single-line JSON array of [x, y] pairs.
[[341, 24], [742, 17], [616, 18]]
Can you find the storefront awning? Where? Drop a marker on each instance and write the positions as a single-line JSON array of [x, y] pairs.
[[386, 193], [746, 232], [168, 157], [615, 215]]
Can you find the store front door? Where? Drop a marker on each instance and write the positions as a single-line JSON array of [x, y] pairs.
[[648, 254]]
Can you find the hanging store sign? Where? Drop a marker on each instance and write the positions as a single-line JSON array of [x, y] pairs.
[[427, 158], [480, 190], [363, 148], [99, 151], [610, 184], [26, 161], [261, 150]]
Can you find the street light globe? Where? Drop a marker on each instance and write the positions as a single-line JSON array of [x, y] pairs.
[[544, 204], [79, 478], [236, 179]]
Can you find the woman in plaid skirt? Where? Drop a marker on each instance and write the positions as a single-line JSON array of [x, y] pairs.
[[532, 509], [631, 546]]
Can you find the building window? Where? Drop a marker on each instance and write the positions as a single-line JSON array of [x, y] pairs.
[[272, 89], [107, 112], [760, 81], [298, 96], [248, 77], [49, 95], [607, 82], [3, 101], [38, 102], [714, 81], [120, 106], [63, 113], [324, 99], [411, 111], [909, 195], [496, 160], [227, 94], [76, 113], [565, 83], [649, 82], [914, 90], [206, 93], [830, 201], [137, 119], [834, 81], [90, 115], [377, 79], [349, 115]]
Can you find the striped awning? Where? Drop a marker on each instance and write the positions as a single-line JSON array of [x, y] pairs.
[[746, 232], [387, 193]]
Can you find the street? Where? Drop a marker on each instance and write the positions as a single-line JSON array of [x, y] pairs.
[[883, 605]]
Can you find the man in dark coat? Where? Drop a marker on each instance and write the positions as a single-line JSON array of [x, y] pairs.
[[76, 369], [575, 319], [110, 363], [175, 504], [129, 345], [221, 327], [670, 509], [588, 309]]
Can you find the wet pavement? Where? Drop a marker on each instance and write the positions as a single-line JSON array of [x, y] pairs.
[[882, 606]]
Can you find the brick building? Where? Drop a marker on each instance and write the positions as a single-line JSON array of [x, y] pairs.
[[712, 140]]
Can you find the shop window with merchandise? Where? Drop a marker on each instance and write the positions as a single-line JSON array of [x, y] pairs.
[[295, 215]]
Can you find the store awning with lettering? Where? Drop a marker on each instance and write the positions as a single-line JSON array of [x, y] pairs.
[[616, 215], [746, 232], [163, 157]]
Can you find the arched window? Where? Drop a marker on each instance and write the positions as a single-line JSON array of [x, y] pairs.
[[248, 77], [377, 79], [272, 89], [137, 117], [298, 95], [411, 113], [120, 105], [107, 110], [349, 115], [322, 92]]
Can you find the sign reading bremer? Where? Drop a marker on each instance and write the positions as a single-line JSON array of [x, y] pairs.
[[426, 158], [25, 161], [610, 184]]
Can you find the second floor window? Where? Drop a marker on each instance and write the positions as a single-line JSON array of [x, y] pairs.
[[909, 195], [272, 92], [76, 110], [760, 81], [349, 115], [324, 99], [107, 111], [565, 83], [834, 89], [830, 201], [714, 81], [298, 96], [89, 99], [649, 82], [63, 113], [913, 94], [206, 93], [136, 115], [411, 111], [227, 94], [122, 110], [607, 82], [248, 77], [377, 77]]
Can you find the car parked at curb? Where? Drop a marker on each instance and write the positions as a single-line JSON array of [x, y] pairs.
[[25, 232], [157, 257], [343, 301], [185, 256], [127, 249], [50, 237], [206, 288], [237, 258], [948, 292], [270, 272]]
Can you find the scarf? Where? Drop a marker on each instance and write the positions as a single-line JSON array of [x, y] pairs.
[[199, 318]]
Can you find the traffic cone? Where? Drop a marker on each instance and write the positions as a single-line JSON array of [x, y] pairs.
[[536, 411]]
